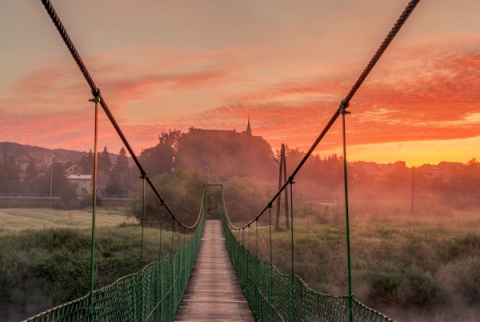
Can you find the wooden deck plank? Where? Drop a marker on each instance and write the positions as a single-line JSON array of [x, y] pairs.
[[213, 292]]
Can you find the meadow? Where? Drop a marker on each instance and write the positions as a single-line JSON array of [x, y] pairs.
[[421, 266], [45, 255], [16, 219]]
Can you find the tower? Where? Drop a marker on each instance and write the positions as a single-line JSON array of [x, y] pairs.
[[248, 131]]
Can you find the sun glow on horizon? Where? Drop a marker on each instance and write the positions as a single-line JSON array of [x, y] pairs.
[[418, 105], [417, 153]]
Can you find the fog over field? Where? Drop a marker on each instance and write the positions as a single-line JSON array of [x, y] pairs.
[[415, 235]]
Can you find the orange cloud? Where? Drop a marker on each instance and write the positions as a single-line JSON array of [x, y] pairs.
[[414, 94], [436, 99]]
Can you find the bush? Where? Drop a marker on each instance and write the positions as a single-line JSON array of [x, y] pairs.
[[87, 201], [462, 277], [245, 197], [182, 192], [43, 268], [403, 287], [385, 287]]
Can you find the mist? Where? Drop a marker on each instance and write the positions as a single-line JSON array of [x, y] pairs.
[[414, 231]]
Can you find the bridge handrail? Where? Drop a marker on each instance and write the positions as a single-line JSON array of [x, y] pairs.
[[153, 293], [268, 291]]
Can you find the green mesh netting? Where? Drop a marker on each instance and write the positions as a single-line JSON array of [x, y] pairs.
[[269, 292], [152, 294]]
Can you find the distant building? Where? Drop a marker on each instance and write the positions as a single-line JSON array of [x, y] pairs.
[[224, 154], [82, 182], [74, 168], [248, 132], [228, 134]]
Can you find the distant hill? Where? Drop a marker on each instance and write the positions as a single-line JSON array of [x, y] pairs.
[[20, 151]]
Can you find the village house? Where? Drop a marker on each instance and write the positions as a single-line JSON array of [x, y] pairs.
[[82, 182]]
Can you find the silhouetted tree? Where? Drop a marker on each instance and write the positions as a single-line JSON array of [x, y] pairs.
[[161, 158], [182, 191], [86, 162], [9, 178], [118, 180], [104, 162], [31, 171], [245, 197]]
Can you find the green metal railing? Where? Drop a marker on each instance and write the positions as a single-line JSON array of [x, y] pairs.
[[269, 292], [152, 294]]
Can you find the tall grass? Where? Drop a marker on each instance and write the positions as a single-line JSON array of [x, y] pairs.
[[401, 262], [43, 268]]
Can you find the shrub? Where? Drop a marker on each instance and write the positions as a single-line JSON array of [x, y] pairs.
[[182, 192], [44, 268], [462, 277], [385, 287], [245, 197], [87, 201]]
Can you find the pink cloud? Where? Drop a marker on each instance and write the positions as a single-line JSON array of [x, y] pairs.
[[433, 100], [412, 95]]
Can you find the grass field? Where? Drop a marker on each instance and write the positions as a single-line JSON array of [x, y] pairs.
[[45, 255], [413, 267], [16, 219]]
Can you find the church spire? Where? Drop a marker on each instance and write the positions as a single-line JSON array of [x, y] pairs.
[[248, 132]]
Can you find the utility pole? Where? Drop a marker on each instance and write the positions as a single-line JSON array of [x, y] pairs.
[[413, 189], [277, 220], [284, 164], [51, 175], [282, 177]]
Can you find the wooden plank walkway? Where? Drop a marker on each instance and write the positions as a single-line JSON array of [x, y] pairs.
[[213, 293]]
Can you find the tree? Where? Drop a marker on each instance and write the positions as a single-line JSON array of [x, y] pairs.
[[9, 178], [104, 162], [68, 193], [473, 163], [245, 197], [58, 180], [86, 162], [161, 158], [118, 180], [182, 192], [31, 171]]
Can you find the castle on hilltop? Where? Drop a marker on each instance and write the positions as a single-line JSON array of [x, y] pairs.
[[226, 153], [224, 133]]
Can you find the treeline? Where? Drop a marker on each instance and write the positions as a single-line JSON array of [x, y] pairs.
[[50, 178], [219, 156], [450, 185], [250, 176], [181, 163]]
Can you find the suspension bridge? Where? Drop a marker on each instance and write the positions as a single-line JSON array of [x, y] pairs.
[[214, 275]]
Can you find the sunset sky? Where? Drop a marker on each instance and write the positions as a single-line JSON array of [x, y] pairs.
[[209, 64]]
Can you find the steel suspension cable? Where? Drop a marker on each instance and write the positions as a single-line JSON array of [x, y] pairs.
[[346, 101], [376, 57], [96, 92]]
